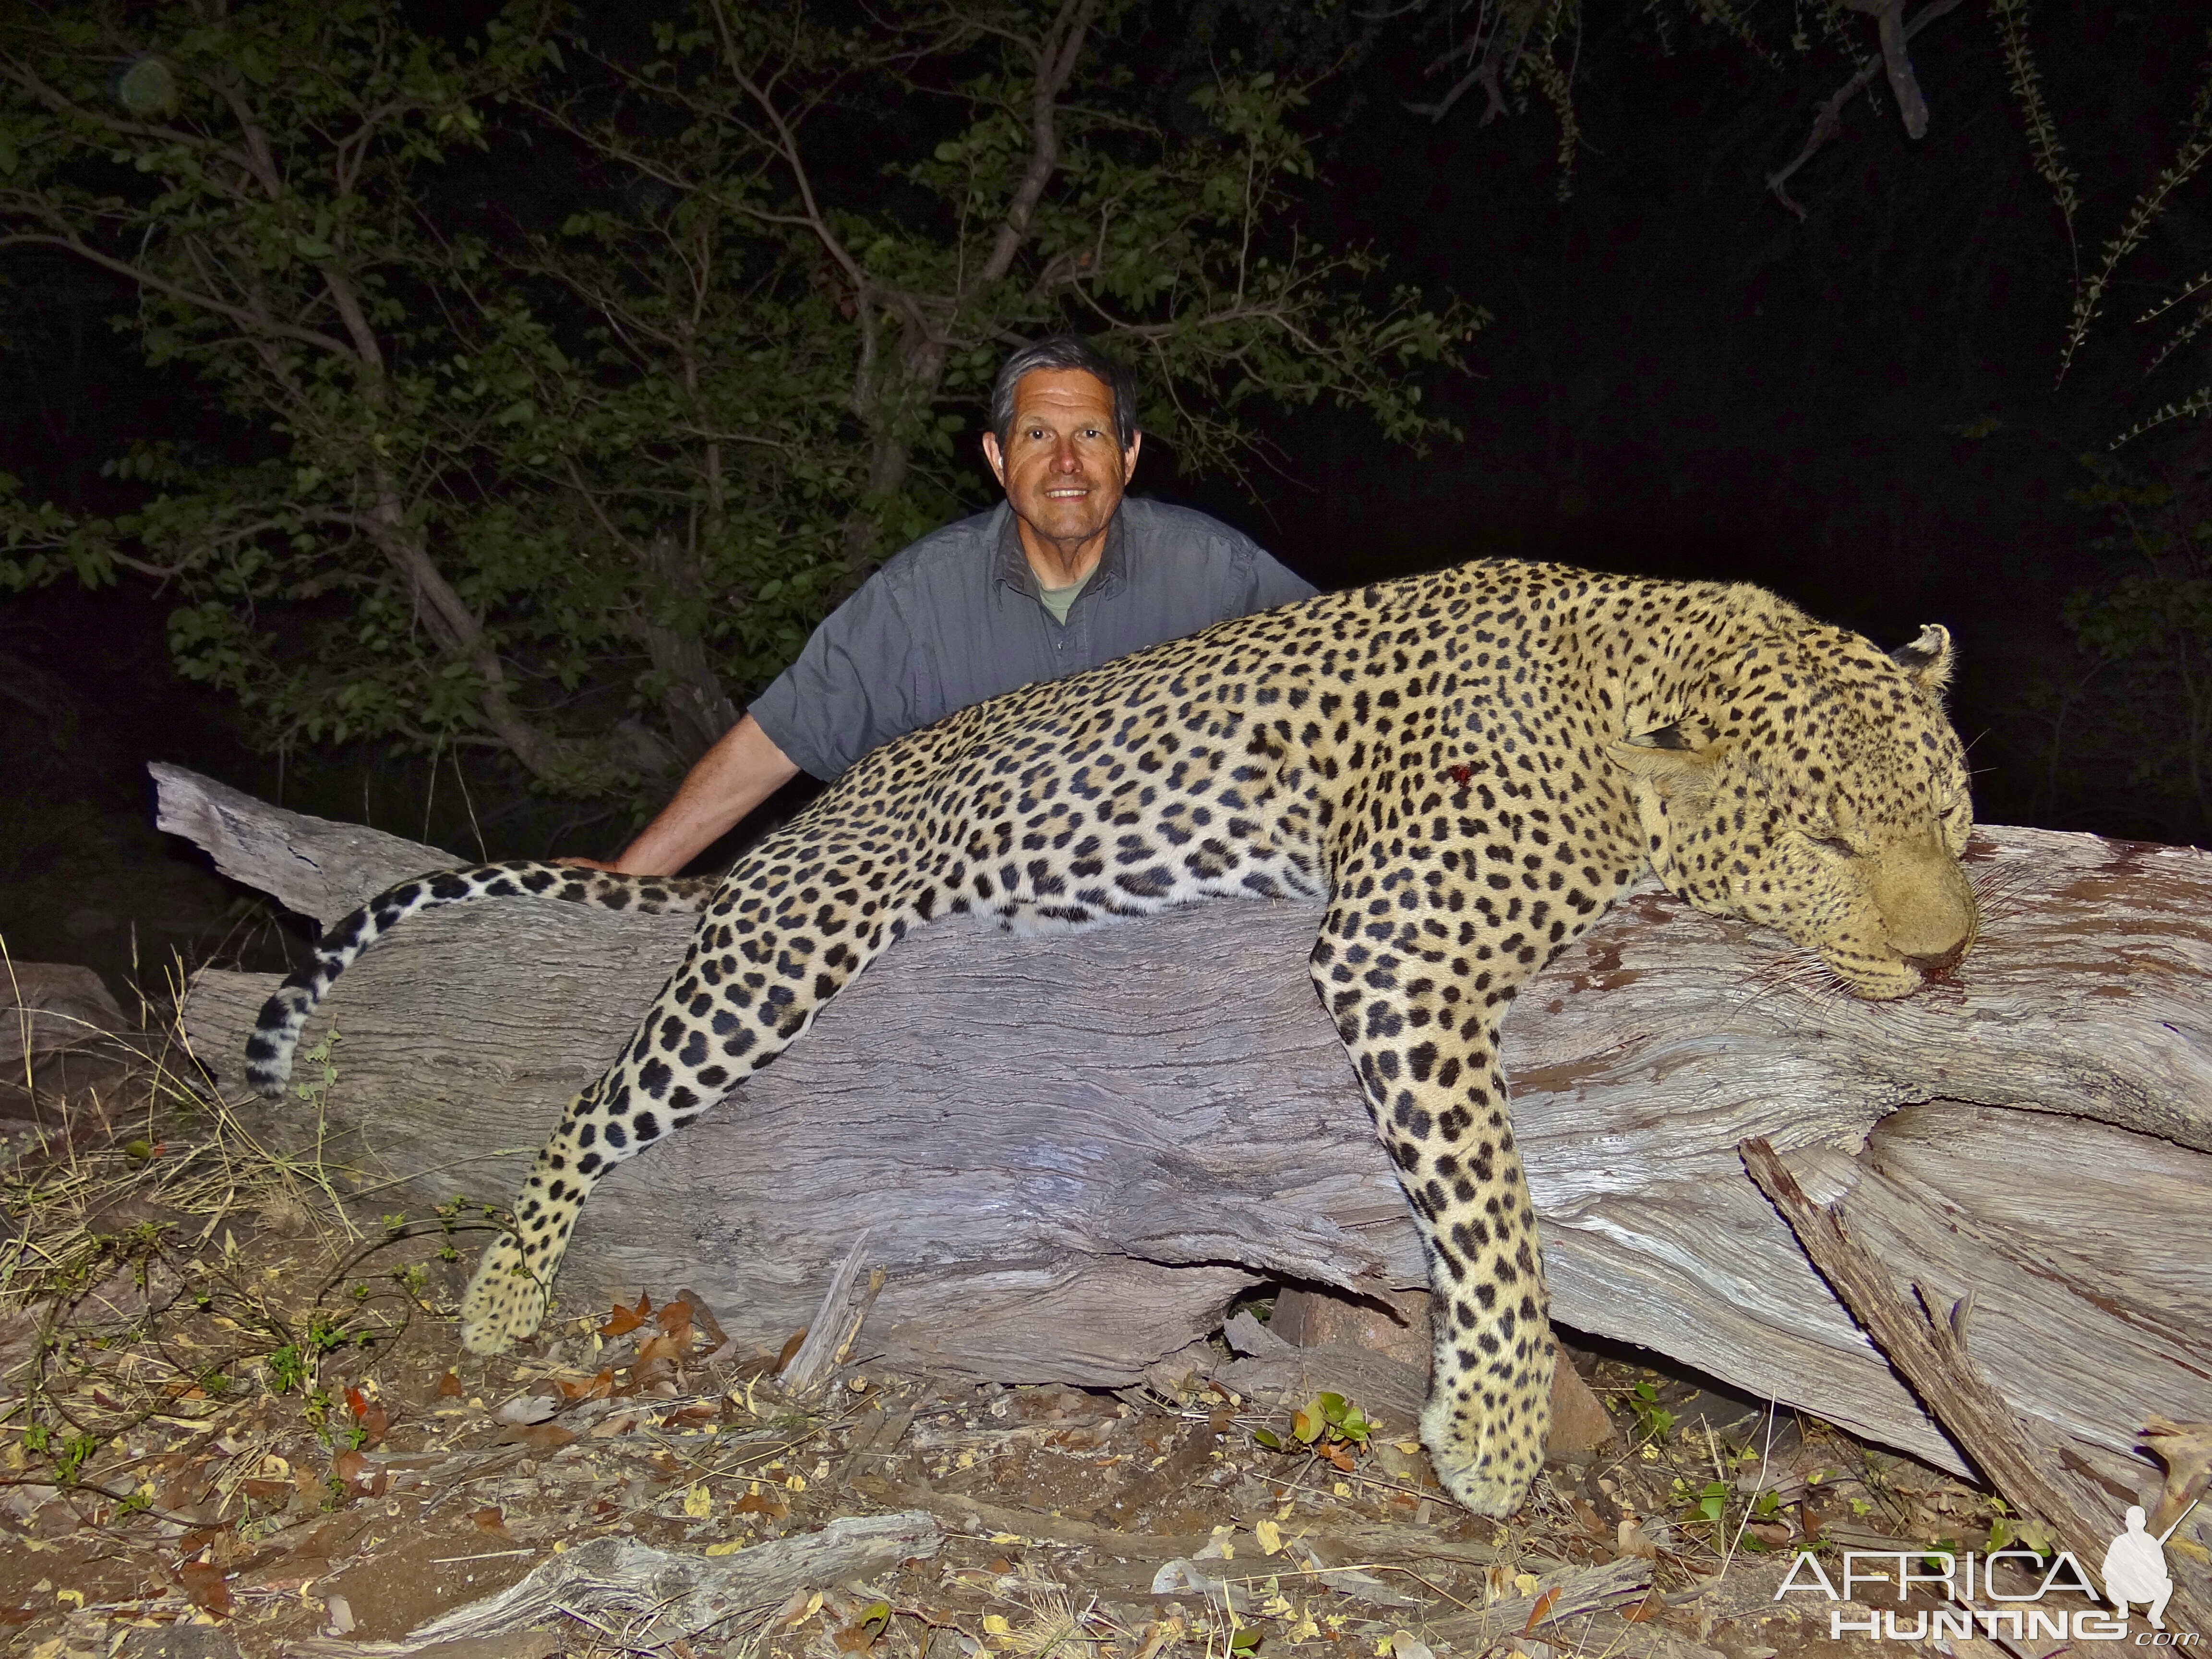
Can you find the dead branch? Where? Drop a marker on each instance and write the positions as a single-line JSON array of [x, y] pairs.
[[1891, 57]]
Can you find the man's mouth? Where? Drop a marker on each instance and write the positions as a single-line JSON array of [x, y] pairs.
[[1067, 493]]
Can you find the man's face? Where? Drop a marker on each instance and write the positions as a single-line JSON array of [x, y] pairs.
[[1062, 465]]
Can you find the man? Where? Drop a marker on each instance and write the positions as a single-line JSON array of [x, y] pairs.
[[1064, 576]]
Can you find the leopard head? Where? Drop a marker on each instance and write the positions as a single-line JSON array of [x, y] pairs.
[[1813, 784]]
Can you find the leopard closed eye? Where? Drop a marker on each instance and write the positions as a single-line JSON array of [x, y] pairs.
[[1470, 766]]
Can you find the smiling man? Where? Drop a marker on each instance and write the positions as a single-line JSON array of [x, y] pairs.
[[1066, 573]]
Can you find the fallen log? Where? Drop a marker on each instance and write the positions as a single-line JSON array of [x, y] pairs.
[[1071, 1155]]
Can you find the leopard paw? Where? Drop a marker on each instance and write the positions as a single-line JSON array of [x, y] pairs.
[[1487, 1462], [505, 1302]]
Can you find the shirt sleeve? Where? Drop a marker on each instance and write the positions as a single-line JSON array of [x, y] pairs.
[[1275, 583], [859, 682]]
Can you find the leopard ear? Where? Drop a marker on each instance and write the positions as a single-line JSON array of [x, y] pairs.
[[1668, 760], [1927, 660]]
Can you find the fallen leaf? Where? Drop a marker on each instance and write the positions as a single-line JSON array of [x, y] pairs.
[[449, 1386], [369, 1416], [675, 1321], [791, 1349], [592, 1387], [1771, 1533], [727, 1547], [698, 1503], [1634, 1540], [1542, 1610], [203, 1588], [754, 1502], [350, 1470], [489, 1519], [1270, 1536], [624, 1319], [1647, 1608], [526, 1408], [710, 1329]]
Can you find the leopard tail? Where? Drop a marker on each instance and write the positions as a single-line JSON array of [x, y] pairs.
[[284, 1016]]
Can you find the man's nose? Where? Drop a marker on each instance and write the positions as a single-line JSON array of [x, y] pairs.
[[1064, 457]]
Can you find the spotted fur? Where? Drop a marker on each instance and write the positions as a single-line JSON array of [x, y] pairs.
[[1470, 766]]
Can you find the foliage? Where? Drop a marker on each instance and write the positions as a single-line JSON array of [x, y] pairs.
[[566, 388], [1329, 1426], [2136, 707]]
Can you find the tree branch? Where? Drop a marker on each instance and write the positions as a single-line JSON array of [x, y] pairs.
[[1830, 121]]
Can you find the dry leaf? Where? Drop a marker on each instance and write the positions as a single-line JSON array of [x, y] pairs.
[[449, 1386], [1634, 1540], [526, 1408], [488, 1519], [710, 1329], [624, 1319], [754, 1503], [791, 1349], [594, 1387], [1647, 1608], [675, 1320], [203, 1586], [2185, 1449], [1542, 1610]]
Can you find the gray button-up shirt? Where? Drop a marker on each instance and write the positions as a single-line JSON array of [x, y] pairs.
[[954, 618]]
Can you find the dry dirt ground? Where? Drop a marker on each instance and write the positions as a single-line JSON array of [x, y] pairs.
[[235, 1419]]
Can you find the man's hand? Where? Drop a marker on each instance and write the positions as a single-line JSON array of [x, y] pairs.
[[743, 769]]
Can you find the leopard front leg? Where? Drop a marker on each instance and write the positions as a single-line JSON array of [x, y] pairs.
[[1490, 1386], [1427, 1064]]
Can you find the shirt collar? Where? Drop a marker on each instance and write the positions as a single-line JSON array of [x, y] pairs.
[[1012, 565]]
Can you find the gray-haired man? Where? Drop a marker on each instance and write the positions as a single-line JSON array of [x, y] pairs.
[[1066, 575]]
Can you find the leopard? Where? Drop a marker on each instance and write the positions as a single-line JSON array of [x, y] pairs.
[[1460, 770]]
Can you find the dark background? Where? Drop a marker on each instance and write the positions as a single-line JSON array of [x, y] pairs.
[[1681, 380]]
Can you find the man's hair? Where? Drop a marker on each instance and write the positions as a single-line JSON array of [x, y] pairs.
[[1065, 351]]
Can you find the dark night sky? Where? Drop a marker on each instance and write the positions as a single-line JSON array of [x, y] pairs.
[[1682, 380]]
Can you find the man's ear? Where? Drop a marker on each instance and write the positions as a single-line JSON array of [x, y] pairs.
[[995, 456], [1667, 760], [1927, 660], [1129, 456]]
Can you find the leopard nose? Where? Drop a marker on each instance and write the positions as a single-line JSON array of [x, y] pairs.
[[1929, 967]]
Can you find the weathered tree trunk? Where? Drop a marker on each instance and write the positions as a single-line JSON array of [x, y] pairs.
[[1070, 1153]]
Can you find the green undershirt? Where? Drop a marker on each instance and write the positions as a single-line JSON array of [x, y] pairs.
[[1059, 601]]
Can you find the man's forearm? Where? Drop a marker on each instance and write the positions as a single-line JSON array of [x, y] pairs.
[[743, 769]]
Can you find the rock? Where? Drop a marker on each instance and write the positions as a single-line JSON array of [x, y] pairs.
[[50, 1005], [1396, 1327]]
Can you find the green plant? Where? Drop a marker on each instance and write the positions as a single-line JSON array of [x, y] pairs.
[[1653, 1422], [1708, 1503], [287, 1369], [1329, 1424]]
